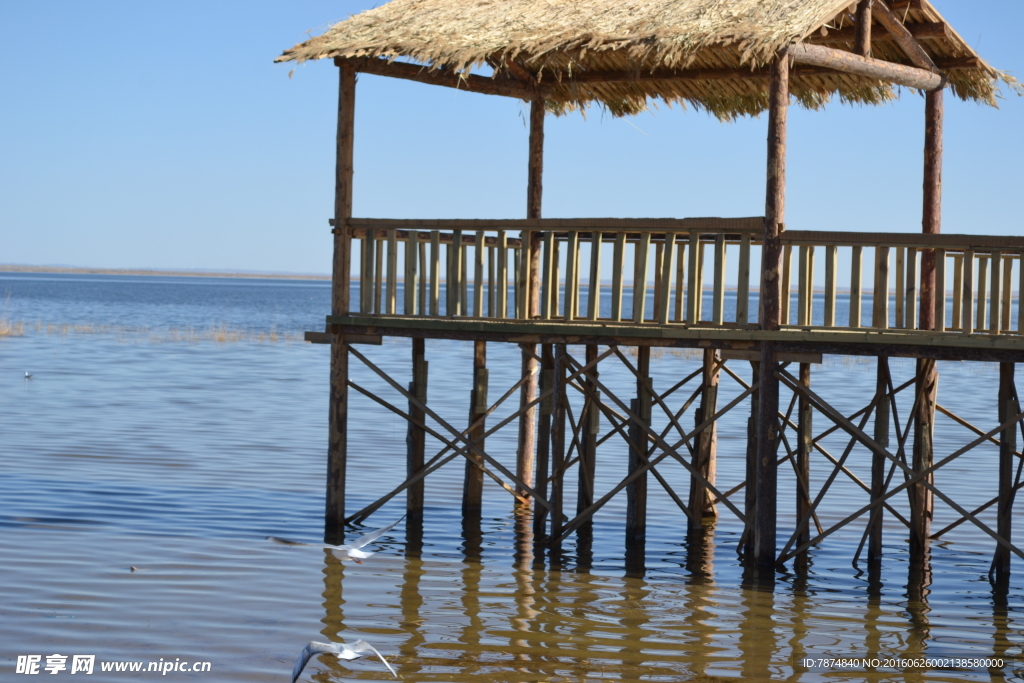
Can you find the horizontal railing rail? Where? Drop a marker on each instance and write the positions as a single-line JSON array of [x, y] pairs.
[[675, 272]]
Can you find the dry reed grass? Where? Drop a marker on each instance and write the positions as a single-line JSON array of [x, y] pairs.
[[555, 42]]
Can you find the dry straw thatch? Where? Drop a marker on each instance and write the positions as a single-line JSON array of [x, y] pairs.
[[557, 41]]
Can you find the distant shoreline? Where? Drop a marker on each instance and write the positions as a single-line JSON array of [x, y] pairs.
[[154, 272]]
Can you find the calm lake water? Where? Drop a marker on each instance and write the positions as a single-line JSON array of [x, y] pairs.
[[171, 424]]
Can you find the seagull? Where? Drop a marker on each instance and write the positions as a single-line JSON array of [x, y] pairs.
[[352, 550], [28, 375], [342, 650]]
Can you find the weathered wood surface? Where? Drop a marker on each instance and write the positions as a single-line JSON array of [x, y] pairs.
[[848, 62]]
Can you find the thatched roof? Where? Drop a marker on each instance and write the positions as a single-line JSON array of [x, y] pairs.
[[569, 45]]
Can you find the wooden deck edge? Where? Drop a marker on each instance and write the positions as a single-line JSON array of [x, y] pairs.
[[939, 345]]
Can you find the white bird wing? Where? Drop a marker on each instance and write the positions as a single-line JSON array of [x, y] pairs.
[[373, 535], [307, 652], [363, 646]]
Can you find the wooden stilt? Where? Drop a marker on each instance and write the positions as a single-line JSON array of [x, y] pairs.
[[588, 442], [473, 487], [636, 491], [558, 446], [921, 498], [704, 455], [804, 444], [750, 490], [526, 455], [547, 381], [1008, 408], [416, 438], [931, 222], [878, 459], [334, 514], [768, 400]]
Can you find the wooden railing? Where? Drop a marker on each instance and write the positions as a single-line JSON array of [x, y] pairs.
[[676, 272]]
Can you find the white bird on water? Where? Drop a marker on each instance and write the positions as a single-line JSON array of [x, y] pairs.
[[349, 551], [352, 550], [342, 650], [28, 375]]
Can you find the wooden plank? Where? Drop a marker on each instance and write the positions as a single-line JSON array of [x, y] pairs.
[[967, 298], [742, 282], [435, 273], [786, 296], [409, 285], [881, 293], [694, 285], [958, 291], [520, 264], [618, 267], [718, 306], [479, 285], [423, 306], [752, 224], [901, 269], [847, 62], [572, 277], [849, 34], [810, 285], [378, 278], [594, 284], [831, 275], [982, 321], [366, 275], [502, 275], [802, 287], [391, 306], [492, 282], [681, 281], [856, 271], [911, 289], [940, 290], [547, 278], [781, 356], [556, 278], [996, 296], [1007, 290], [464, 304], [659, 249], [641, 257], [667, 269]]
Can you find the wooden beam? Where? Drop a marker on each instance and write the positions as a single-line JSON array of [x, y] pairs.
[[931, 215], [473, 484], [903, 37], [440, 76], [849, 35], [847, 62]]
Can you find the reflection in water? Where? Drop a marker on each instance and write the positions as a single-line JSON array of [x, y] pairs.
[[334, 603]]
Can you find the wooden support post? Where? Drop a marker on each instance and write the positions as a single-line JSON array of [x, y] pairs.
[[856, 272], [742, 282], [704, 455], [878, 461], [473, 486], [831, 266], [981, 324], [415, 440], [910, 309], [527, 451], [640, 277], [594, 282], [636, 490], [337, 444], [768, 400], [921, 498], [750, 490], [718, 305], [557, 499], [931, 222], [995, 296], [804, 445], [435, 273], [588, 441], [1008, 407], [681, 281], [547, 382], [901, 283], [958, 292], [863, 43], [880, 295], [967, 295], [785, 303], [694, 286]]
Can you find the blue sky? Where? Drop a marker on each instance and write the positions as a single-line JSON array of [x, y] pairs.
[[161, 135]]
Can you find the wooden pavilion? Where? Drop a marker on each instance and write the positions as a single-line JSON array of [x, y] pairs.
[[538, 282]]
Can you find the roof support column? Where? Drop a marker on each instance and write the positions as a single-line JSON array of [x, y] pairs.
[[931, 223], [337, 442], [531, 241], [771, 262], [863, 42]]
